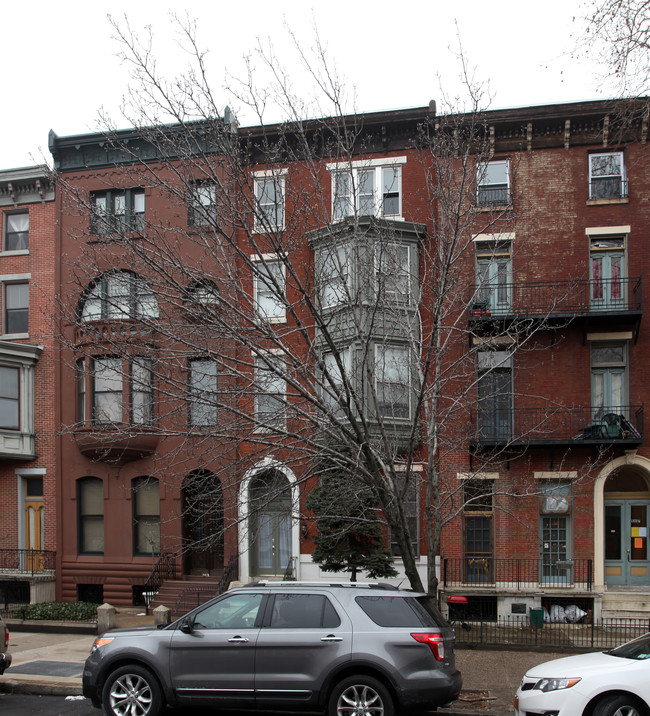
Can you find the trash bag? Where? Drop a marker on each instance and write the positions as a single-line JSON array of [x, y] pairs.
[[573, 613], [547, 616], [557, 614]]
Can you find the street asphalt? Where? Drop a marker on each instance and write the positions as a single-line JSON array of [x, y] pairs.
[[51, 662]]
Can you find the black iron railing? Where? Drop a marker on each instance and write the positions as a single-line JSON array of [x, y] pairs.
[[608, 188], [165, 568], [556, 298], [195, 596], [621, 424], [516, 573], [26, 561]]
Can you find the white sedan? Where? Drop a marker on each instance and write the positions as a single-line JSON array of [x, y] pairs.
[[611, 683]]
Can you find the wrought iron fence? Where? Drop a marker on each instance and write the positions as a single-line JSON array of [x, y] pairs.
[[194, 597], [520, 631], [26, 561], [165, 568], [516, 573]]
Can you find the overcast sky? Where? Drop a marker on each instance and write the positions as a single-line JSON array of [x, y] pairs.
[[60, 61]]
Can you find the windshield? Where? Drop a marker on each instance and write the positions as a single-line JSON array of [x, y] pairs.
[[635, 649]]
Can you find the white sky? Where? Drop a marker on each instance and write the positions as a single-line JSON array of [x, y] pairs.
[[60, 63]]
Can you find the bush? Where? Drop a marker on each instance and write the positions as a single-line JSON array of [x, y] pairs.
[[58, 611]]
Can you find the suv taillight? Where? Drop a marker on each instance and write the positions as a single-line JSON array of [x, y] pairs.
[[435, 641]]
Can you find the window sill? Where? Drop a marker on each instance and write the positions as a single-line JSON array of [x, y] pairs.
[[14, 336], [607, 202], [493, 207], [17, 252], [267, 229], [270, 320], [368, 216]]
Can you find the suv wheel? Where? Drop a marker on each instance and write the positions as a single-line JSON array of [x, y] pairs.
[[360, 696], [132, 691]]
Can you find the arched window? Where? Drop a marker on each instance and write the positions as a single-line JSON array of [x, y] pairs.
[[90, 506], [146, 516], [118, 295]]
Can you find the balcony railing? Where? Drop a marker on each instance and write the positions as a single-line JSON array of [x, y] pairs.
[[497, 195], [608, 188], [516, 573], [547, 426], [26, 561], [557, 298]]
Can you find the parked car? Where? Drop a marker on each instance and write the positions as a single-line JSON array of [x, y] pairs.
[[343, 648], [610, 683], [5, 656]]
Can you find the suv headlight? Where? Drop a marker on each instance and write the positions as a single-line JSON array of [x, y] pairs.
[[101, 641], [555, 684]]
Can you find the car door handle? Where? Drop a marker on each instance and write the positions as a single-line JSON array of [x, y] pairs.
[[238, 640], [331, 637]]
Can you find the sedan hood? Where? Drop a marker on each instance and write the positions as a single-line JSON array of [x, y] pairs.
[[579, 665]]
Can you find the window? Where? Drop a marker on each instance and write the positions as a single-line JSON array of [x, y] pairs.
[[608, 380], [409, 489], [204, 292], [117, 296], [269, 196], [493, 183], [16, 305], [334, 392], [234, 611], [9, 398], [392, 381], [371, 188], [478, 514], [270, 393], [108, 390], [392, 272], [141, 392], [303, 611], [555, 532], [333, 278], [494, 276], [16, 232], [120, 211], [146, 516], [90, 505], [270, 290], [494, 395], [608, 273], [203, 393], [607, 176], [203, 205]]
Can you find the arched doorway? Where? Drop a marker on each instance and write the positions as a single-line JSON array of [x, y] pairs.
[[626, 505], [202, 523], [270, 524]]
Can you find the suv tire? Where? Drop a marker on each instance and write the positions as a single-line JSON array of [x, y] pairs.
[[132, 691], [358, 695]]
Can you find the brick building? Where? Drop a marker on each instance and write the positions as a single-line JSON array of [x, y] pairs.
[[28, 357], [220, 311]]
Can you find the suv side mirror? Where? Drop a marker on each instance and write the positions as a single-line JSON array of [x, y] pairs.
[[187, 625]]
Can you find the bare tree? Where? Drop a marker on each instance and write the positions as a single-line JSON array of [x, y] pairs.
[[301, 304]]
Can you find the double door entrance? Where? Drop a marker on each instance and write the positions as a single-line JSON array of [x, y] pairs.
[[626, 542]]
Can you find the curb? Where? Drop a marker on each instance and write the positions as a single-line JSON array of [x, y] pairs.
[[42, 625], [38, 688]]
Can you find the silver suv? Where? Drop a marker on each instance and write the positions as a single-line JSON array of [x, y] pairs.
[[347, 648]]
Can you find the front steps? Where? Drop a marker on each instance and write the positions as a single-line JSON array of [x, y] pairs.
[[181, 595], [626, 603]]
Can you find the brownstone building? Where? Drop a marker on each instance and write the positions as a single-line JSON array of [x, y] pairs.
[[28, 393], [204, 296]]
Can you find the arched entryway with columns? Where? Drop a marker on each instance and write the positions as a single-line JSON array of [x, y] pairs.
[[621, 522], [269, 500]]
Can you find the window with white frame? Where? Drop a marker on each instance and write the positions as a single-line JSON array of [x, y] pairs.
[[17, 365], [393, 271], [16, 232], [493, 182], [495, 396], [270, 391], [409, 489], [146, 516], [269, 286], [119, 295], [393, 381], [203, 392], [9, 398], [367, 188], [269, 200], [607, 179], [494, 276], [555, 532], [141, 403], [337, 365], [333, 278], [16, 307], [202, 210], [118, 211]]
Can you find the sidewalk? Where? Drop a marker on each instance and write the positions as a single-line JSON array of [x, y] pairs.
[[52, 663]]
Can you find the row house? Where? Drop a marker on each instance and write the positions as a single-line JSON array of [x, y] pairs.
[[234, 298], [28, 387]]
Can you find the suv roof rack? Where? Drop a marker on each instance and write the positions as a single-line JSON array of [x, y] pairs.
[[344, 585]]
